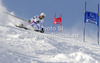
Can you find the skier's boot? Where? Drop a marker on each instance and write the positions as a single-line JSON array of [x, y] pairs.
[[21, 26], [42, 30]]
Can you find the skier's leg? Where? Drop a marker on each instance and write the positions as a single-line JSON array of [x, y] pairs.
[[41, 28], [30, 26]]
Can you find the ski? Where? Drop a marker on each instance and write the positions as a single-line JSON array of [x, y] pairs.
[[22, 27]]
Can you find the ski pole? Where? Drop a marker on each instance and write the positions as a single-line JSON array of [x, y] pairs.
[[14, 16]]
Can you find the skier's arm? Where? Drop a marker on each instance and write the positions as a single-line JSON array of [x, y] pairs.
[[32, 20]]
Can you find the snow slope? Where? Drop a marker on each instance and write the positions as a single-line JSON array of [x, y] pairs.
[[26, 46]]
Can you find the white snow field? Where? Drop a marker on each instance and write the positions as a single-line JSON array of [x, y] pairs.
[[25, 46]]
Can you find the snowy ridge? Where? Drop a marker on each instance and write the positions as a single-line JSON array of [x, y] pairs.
[[25, 46]]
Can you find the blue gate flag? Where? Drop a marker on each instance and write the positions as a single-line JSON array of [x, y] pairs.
[[91, 17]]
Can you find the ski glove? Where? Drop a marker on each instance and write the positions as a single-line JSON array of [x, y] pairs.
[[29, 21]]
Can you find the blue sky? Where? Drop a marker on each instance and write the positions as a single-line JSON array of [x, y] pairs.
[[72, 11]]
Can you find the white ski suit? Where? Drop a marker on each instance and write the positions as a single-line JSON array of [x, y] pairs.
[[36, 23]]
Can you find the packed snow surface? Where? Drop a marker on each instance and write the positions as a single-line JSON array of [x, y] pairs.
[[25, 46]]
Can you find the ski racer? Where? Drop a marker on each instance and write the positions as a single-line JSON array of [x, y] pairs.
[[35, 23]]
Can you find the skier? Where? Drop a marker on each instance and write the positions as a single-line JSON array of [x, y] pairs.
[[35, 23]]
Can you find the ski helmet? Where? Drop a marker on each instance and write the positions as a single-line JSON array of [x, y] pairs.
[[43, 14]]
